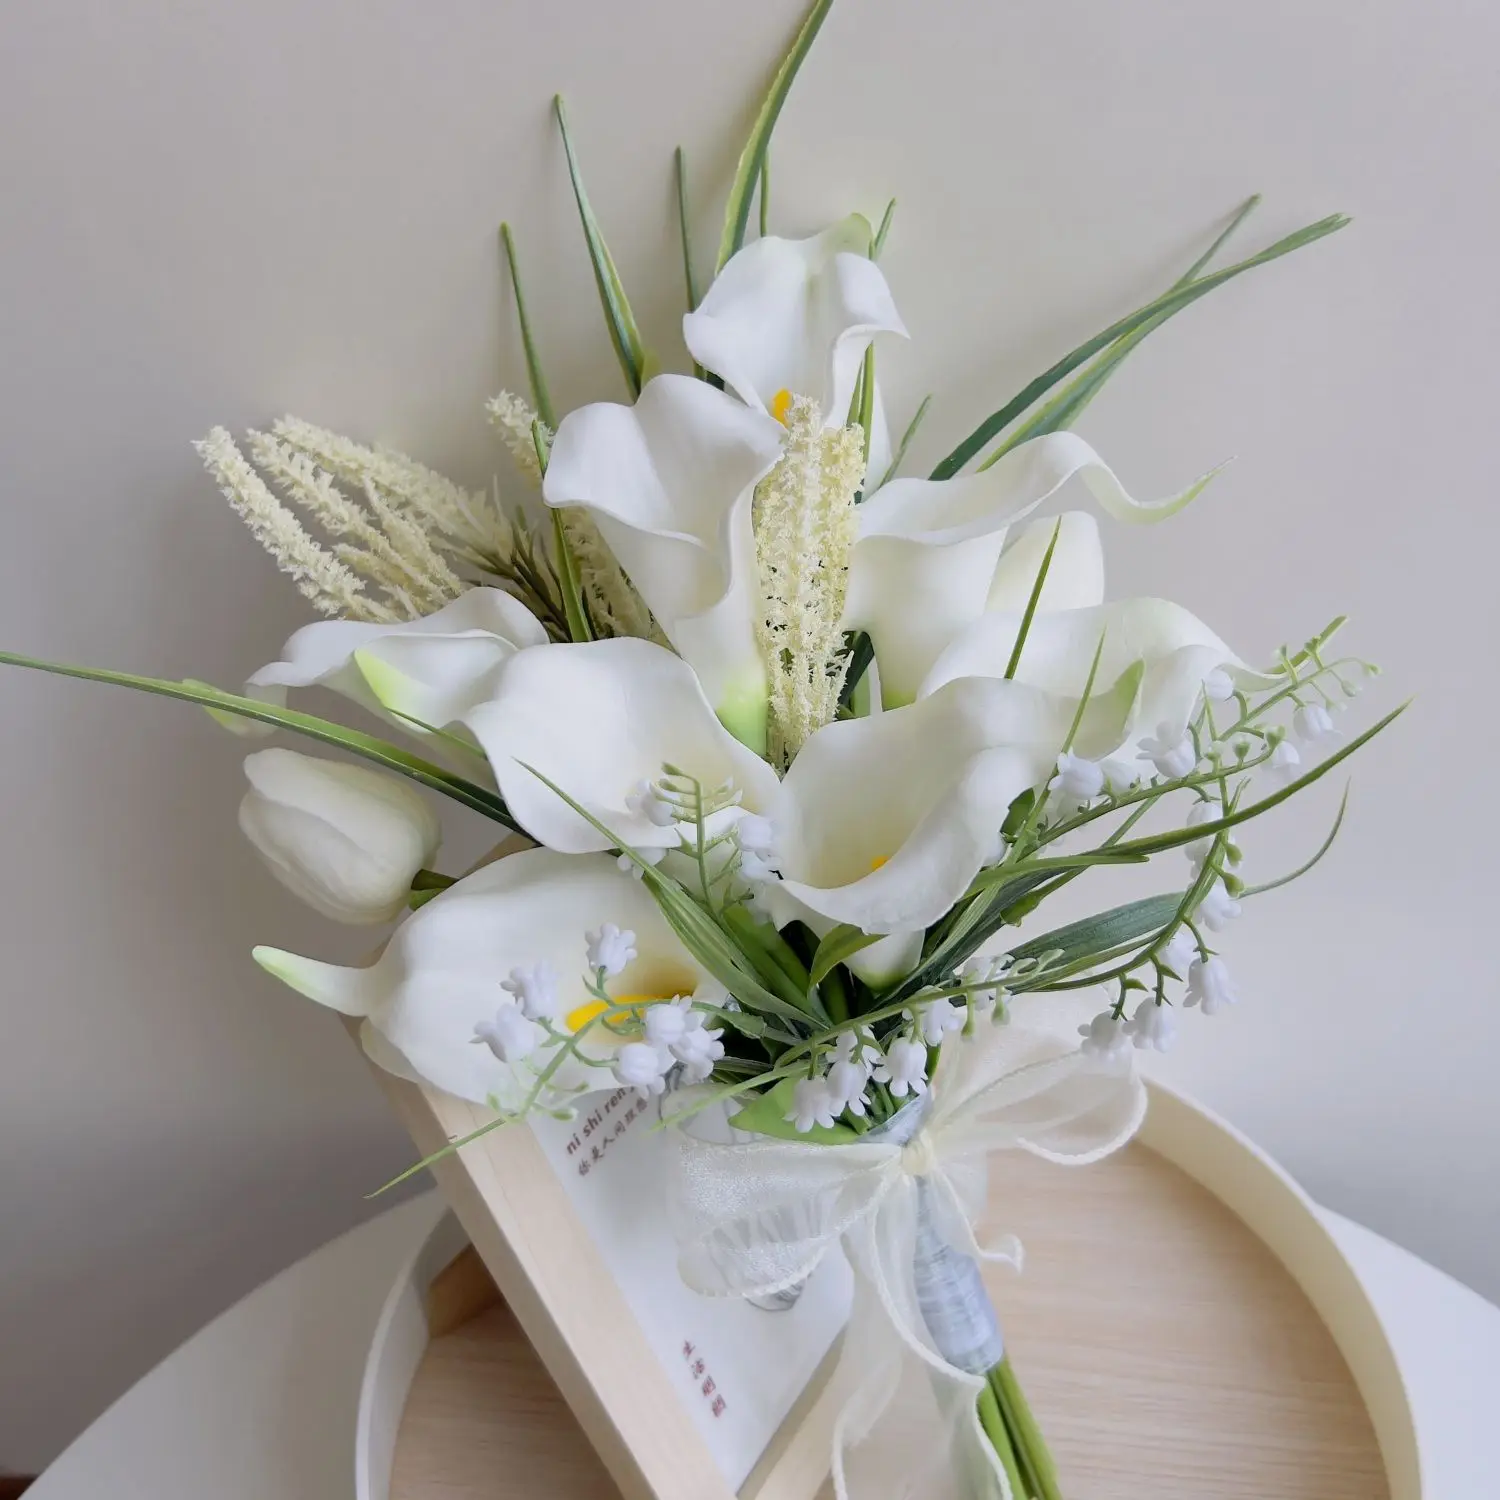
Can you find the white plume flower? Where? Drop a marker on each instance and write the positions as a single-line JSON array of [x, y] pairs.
[[331, 587], [805, 525]]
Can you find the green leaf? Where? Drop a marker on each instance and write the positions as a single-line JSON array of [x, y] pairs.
[[1064, 409], [747, 172], [1107, 930], [623, 332], [765, 194], [366, 746], [905, 443], [1168, 304], [540, 398], [1032, 601], [840, 945], [700, 933], [766, 1114], [1174, 839], [1302, 869]]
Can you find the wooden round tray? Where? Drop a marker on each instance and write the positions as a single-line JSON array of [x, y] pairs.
[[1167, 1349]]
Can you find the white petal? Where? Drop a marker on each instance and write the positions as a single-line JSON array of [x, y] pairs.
[[929, 550], [1175, 649], [795, 315], [1075, 576], [439, 974], [433, 668], [883, 822], [669, 482], [597, 719]]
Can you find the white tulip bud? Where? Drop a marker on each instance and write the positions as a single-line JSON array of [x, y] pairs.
[[346, 839]]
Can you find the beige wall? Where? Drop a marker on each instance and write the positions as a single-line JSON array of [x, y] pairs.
[[216, 213]]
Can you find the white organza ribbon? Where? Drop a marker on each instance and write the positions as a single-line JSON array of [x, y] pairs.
[[754, 1217]]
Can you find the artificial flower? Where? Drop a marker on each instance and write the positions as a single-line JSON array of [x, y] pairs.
[[1210, 986], [904, 1070], [794, 318], [669, 483], [1152, 1026], [642, 1067], [512, 1036], [927, 564], [437, 978], [1218, 908], [1311, 723], [1105, 1037], [429, 671], [597, 719], [346, 839], [610, 949], [882, 822], [535, 988], [813, 1104]]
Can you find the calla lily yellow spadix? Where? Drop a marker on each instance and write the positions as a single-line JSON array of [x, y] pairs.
[[802, 740]]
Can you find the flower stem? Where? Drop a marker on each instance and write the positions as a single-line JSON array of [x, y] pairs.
[[995, 1430], [1032, 1454]]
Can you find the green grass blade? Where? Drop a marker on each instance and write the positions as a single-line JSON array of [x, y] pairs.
[[618, 317], [905, 443], [765, 195], [366, 746], [567, 565], [689, 281], [840, 943], [1160, 842], [1168, 304], [1033, 599], [878, 243], [1306, 865], [540, 397], [1065, 408], [747, 172], [1101, 933]]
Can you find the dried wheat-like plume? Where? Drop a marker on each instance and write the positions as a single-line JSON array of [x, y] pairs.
[[467, 526], [614, 606], [332, 587], [804, 531]]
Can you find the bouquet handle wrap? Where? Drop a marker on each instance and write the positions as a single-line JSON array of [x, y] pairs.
[[755, 1217]]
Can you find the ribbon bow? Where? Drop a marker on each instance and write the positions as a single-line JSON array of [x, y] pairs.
[[755, 1217]]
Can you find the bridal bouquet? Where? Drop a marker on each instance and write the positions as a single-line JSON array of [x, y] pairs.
[[789, 747]]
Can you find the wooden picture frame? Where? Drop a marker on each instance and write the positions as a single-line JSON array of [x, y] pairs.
[[518, 1215]]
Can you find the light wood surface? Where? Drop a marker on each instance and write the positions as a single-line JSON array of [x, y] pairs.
[[1166, 1351]]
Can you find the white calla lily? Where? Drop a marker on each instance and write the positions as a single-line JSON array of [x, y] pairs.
[[669, 482], [929, 550], [345, 839], [795, 316], [599, 719], [432, 669], [882, 822], [1167, 648], [439, 978]]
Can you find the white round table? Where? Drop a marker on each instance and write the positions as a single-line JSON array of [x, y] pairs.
[[263, 1401]]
